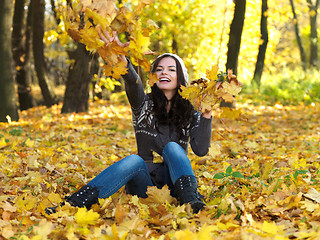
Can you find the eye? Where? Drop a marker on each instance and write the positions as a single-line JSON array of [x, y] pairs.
[[158, 69], [172, 70]]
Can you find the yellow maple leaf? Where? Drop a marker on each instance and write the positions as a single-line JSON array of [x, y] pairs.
[[139, 42], [309, 205], [153, 78], [211, 86], [8, 207], [190, 92], [272, 228], [207, 102], [90, 38], [157, 158], [184, 235], [85, 217], [97, 18], [54, 197], [212, 73], [156, 195], [43, 229], [214, 150], [313, 194], [115, 71], [251, 145], [3, 143], [232, 88], [29, 143], [26, 202], [227, 97]]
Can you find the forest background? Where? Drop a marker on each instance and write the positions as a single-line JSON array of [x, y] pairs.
[[74, 120]]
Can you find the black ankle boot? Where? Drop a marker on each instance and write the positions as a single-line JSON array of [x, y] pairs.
[[84, 197], [186, 189]]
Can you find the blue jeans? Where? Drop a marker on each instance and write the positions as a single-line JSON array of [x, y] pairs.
[[133, 172]]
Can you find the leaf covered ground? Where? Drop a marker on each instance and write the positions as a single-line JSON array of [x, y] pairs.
[[261, 178]]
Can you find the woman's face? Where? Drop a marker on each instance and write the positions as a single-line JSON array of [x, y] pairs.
[[167, 74]]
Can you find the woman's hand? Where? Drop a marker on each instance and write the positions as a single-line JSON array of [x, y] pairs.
[[108, 39], [207, 114]]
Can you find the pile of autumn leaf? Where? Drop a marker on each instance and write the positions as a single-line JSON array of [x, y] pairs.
[[260, 179], [85, 19]]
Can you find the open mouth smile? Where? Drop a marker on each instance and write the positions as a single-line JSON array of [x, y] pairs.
[[164, 80]]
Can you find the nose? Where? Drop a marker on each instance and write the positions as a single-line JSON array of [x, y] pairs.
[[164, 71]]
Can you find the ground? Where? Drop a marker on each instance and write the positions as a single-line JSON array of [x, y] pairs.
[[260, 179]]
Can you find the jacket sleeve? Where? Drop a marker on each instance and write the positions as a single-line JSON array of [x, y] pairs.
[[200, 134], [134, 87]]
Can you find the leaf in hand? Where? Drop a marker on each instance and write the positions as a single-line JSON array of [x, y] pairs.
[[212, 73], [190, 92], [227, 97], [231, 88]]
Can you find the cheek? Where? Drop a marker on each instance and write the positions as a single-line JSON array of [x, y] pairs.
[[158, 74], [175, 80]]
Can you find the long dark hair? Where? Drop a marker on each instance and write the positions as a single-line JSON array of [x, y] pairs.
[[180, 113]]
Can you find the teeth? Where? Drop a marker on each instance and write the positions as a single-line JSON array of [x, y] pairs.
[[164, 79]]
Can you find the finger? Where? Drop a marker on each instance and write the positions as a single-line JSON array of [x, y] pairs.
[[126, 44], [108, 36], [103, 34], [116, 39], [103, 38]]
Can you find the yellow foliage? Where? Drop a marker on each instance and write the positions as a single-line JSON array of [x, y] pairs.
[[85, 217], [205, 93], [277, 198], [85, 19]]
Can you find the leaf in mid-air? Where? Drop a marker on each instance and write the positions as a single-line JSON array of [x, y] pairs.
[[115, 71], [153, 78], [85, 19]]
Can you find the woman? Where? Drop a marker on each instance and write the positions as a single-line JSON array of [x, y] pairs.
[[164, 123]]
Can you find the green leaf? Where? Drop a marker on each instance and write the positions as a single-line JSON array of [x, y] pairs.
[[219, 176], [237, 175], [229, 170]]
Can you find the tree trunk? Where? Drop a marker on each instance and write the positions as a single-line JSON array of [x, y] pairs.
[[77, 87], [8, 105], [296, 27], [234, 43], [39, 59], [313, 12], [263, 47], [54, 10], [28, 43], [19, 56], [235, 33]]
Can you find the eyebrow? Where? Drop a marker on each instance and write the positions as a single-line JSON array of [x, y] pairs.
[[168, 66]]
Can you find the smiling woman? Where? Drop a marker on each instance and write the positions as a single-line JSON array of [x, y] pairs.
[[164, 124]]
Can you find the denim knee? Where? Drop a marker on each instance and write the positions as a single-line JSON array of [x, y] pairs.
[[133, 161], [173, 147]]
